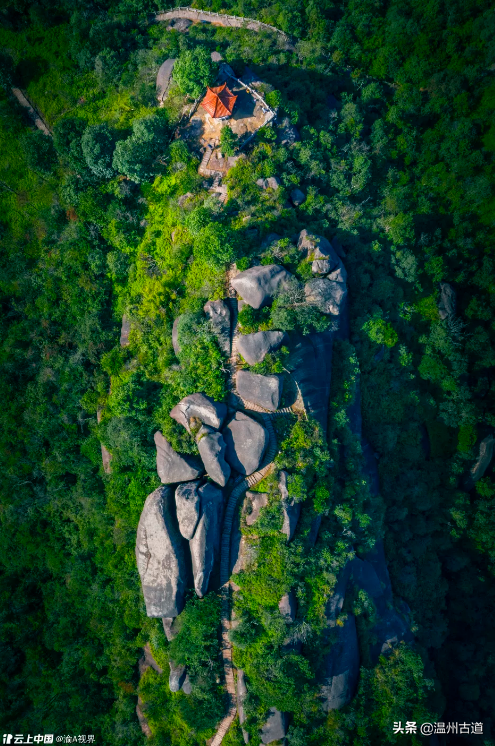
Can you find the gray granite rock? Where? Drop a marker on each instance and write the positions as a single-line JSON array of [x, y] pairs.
[[288, 607], [391, 629], [376, 558], [201, 408], [241, 691], [173, 467], [211, 446], [183, 198], [318, 247], [275, 728], [364, 577], [447, 302], [485, 455], [254, 347], [254, 502], [338, 275], [205, 544], [219, 314], [314, 531], [246, 442], [179, 24], [160, 556], [335, 602], [125, 331], [188, 504], [175, 336], [287, 134], [186, 686], [310, 363], [338, 248], [326, 295], [273, 182], [290, 509], [297, 197], [148, 661], [168, 628], [258, 285], [177, 677], [265, 391], [341, 667]]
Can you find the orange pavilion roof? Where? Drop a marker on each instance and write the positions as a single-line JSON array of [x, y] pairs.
[[219, 102]]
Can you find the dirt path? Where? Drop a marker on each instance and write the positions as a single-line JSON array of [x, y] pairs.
[[38, 121], [220, 19]]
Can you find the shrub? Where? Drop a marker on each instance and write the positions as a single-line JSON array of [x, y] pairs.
[[194, 70], [98, 145]]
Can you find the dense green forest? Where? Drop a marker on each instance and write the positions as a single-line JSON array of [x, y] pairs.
[[394, 103]]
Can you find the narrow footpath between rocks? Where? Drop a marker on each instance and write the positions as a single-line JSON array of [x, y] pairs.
[[237, 492]]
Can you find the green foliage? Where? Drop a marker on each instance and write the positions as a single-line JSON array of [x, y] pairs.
[[215, 245], [381, 331], [98, 145], [39, 151], [228, 141], [136, 157], [194, 70]]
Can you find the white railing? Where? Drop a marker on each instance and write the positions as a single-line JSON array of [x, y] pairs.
[[236, 20]]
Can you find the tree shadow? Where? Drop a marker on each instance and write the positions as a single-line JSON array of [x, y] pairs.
[[30, 70]]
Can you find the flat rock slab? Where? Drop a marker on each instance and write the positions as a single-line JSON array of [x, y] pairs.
[[211, 446], [201, 408], [290, 509], [288, 607], [246, 442], [160, 555], [311, 365], [220, 318], [255, 501], [188, 504], [163, 78], [257, 286], [341, 667], [173, 467], [328, 296], [275, 728], [254, 347], [205, 544], [265, 391]]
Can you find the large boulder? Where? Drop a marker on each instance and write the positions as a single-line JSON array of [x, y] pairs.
[[265, 391], [328, 296], [205, 544], [255, 501], [319, 248], [391, 629], [241, 691], [211, 446], [258, 285], [201, 408], [311, 365], [340, 669], [287, 134], [254, 347], [447, 302], [219, 314], [174, 467], [335, 603], [160, 556], [297, 197], [188, 505], [176, 677], [290, 509], [288, 607], [246, 442], [485, 455], [275, 728]]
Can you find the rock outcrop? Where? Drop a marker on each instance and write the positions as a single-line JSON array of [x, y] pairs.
[[340, 669], [254, 347], [290, 509], [246, 442], [173, 467], [447, 302], [176, 677], [485, 455], [254, 501], [287, 134], [319, 248], [211, 446], [201, 408], [297, 197], [125, 331], [288, 607], [265, 391], [188, 505], [241, 691], [275, 728], [205, 544], [328, 296], [311, 365], [175, 336], [160, 555], [219, 314], [258, 285]]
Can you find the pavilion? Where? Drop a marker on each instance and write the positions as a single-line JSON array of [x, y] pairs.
[[219, 102]]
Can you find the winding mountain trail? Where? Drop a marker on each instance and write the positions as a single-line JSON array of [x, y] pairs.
[[238, 490], [219, 19]]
